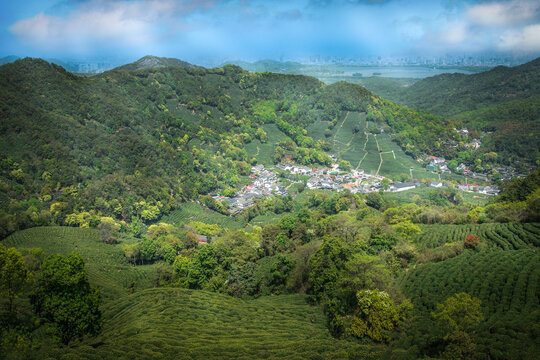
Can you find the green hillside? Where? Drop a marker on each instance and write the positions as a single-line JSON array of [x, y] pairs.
[[450, 94], [180, 323], [502, 102], [506, 283], [511, 236], [138, 142], [149, 62]]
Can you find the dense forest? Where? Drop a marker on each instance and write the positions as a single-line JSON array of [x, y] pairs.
[[113, 247]]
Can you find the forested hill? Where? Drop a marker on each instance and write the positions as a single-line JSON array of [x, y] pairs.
[[128, 143], [450, 94], [149, 62]]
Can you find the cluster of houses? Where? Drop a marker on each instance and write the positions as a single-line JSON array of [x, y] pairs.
[[330, 178], [437, 163], [508, 173], [489, 190], [265, 183], [474, 144]]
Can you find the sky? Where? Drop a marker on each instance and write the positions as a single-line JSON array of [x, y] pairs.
[[272, 29]]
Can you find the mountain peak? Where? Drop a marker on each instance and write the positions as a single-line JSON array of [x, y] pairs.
[[150, 61]]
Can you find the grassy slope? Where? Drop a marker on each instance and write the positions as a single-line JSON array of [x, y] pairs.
[[406, 197], [186, 324]]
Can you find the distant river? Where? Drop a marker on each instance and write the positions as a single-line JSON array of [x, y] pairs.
[[415, 72]]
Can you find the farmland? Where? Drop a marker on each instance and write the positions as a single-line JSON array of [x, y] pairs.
[[511, 236], [264, 152], [191, 211], [366, 150]]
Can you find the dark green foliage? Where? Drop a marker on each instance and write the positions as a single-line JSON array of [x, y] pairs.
[[519, 189], [65, 298], [506, 283]]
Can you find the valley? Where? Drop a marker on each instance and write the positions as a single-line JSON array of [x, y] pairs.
[[218, 213]]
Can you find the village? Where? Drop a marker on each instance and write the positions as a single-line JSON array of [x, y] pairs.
[[267, 182]]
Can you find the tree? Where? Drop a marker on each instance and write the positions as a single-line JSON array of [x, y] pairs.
[[406, 229], [108, 229], [13, 274], [457, 317], [344, 165], [459, 313], [326, 266], [376, 315], [65, 297], [385, 183], [374, 200], [471, 241]]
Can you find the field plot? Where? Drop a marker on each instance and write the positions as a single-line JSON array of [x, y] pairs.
[[507, 283], [511, 236], [215, 326], [265, 152], [191, 211], [373, 153], [106, 264], [411, 196]]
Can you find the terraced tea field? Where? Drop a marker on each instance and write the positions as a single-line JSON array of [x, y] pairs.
[[174, 323], [106, 264], [507, 283], [511, 236], [191, 211], [265, 152], [374, 153]]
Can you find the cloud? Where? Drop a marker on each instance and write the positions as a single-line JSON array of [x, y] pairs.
[[455, 34], [525, 40], [97, 23], [504, 13]]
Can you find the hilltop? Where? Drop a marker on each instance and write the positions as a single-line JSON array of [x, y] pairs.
[[149, 62]]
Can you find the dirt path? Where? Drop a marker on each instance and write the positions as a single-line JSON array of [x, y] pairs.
[[341, 125], [360, 162]]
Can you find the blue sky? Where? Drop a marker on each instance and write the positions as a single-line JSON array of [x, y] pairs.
[[255, 29]]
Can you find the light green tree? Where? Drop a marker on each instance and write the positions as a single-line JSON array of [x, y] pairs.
[[13, 274], [458, 316], [377, 315]]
